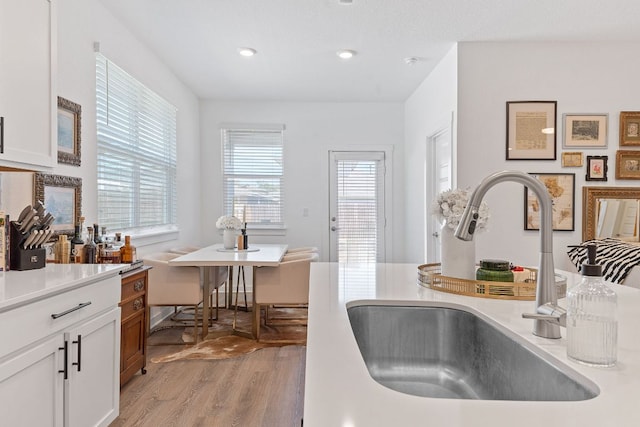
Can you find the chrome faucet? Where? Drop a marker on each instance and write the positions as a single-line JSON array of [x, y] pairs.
[[548, 316]]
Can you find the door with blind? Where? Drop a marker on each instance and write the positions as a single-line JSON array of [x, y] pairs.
[[356, 206]]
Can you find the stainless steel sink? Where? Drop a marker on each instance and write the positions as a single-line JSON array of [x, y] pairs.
[[450, 352]]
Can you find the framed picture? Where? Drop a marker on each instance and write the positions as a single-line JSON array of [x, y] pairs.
[[572, 159], [68, 132], [62, 198], [629, 128], [627, 164], [585, 130], [596, 168], [561, 187], [531, 131]]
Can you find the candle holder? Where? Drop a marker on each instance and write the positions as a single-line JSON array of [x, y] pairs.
[[245, 238]]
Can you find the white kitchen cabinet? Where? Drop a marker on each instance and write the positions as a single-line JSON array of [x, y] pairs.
[[31, 388], [93, 390], [61, 362], [28, 98]]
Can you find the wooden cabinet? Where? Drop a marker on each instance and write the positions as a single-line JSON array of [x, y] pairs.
[[60, 357], [133, 344], [28, 98]]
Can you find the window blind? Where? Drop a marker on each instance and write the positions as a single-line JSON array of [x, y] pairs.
[[136, 152], [358, 204], [253, 175]]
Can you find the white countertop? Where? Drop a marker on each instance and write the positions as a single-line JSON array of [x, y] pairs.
[[22, 287], [340, 393]]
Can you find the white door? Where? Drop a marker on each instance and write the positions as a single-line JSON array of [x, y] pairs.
[[356, 206], [439, 178]]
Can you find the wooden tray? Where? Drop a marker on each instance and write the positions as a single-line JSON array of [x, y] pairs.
[[429, 276]]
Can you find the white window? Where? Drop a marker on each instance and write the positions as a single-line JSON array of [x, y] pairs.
[[253, 174], [136, 153]]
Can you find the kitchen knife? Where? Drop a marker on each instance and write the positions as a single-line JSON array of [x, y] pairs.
[[24, 213], [39, 207], [43, 237], [27, 218], [47, 221], [30, 225], [29, 240]]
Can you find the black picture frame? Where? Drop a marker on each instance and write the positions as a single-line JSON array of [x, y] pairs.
[[562, 188], [531, 130], [597, 168]]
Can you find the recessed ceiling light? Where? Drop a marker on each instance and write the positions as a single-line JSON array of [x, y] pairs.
[[246, 51], [346, 53]]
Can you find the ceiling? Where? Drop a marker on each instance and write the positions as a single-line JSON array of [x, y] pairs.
[[297, 40]]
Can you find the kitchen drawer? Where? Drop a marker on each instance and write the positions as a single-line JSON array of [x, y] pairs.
[[132, 306], [32, 322], [133, 285]]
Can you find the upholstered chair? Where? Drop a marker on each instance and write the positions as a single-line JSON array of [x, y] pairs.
[[286, 284], [180, 286]]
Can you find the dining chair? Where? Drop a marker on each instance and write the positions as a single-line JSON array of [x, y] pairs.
[[181, 286], [183, 250], [302, 249], [285, 284]]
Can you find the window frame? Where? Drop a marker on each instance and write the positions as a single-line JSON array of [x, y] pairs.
[[228, 204], [140, 144]]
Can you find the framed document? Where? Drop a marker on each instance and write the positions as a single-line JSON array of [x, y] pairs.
[[531, 130]]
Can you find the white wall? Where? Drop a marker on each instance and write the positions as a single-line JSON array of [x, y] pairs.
[[427, 111], [311, 130], [582, 78], [80, 23]]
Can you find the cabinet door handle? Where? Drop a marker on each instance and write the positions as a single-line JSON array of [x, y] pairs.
[[66, 359], [137, 304], [138, 286], [79, 342], [71, 310]]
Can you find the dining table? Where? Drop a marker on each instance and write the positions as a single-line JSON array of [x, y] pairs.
[[256, 255]]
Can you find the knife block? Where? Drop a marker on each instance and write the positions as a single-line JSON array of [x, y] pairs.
[[24, 259]]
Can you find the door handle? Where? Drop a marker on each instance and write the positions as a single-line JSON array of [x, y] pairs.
[[334, 228], [78, 363], [435, 234]]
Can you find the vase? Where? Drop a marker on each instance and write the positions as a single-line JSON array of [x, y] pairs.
[[457, 257], [229, 238]]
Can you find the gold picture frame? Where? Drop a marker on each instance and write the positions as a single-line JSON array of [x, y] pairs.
[[572, 159], [69, 139], [629, 128], [62, 198], [531, 130], [562, 189], [627, 164]]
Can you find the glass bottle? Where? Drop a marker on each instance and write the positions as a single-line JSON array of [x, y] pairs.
[[96, 234], [76, 245], [90, 248], [128, 251], [592, 325]]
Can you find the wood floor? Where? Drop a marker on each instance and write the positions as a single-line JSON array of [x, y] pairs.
[[261, 389]]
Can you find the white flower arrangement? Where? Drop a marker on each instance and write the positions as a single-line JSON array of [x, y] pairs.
[[450, 204], [228, 223]]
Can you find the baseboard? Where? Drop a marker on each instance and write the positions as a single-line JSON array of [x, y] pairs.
[[158, 314]]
